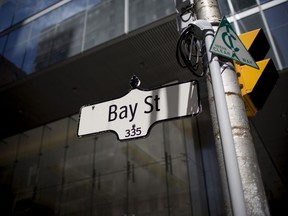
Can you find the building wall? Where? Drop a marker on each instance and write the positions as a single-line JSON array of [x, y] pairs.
[[40, 35], [173, 171]]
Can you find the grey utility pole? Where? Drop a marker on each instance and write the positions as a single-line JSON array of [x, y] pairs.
[[236, 154]]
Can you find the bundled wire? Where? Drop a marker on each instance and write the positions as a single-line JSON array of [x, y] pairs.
[[189, 52]]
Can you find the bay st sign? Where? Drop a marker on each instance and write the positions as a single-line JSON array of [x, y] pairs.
[[132, 115]]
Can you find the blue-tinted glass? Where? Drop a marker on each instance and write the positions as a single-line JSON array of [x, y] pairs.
[[6, 14], [264, 1], [41, 4], [277, 18], [44, 22], [94, 2], [16, 54], [71, 8], [2, 44], [243, 4], [18, 36], [24, 9], [16, 45], [30, 54]]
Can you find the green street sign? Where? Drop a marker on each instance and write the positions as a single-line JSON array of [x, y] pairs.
[[227, 43]]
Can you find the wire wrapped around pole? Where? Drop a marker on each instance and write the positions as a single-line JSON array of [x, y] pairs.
[[189, 51]]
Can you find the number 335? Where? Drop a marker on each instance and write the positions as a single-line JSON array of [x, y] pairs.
[[133, 132]]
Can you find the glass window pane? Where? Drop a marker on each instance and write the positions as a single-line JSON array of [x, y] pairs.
[[41, 4], [24, 9], [264, 1], [224, 8], [110, 194], [72, 8], [16, 54], [25, 175], [177, 177], [147, 174], [18, 36], [52, 154], [31, 145], [6, 14], [76, 198], [111, 155], [104, 22], [254, 22], [48, 199], [69, 36], [243, 4], [147, 189], [110, 173], [277, 20], [23, 202], [144, 12], [2, 44], [25, 172], [45, 22], [8, 149], [43, 48], [16, 45], [94, 2], [79, 156], [30, 54], [208, 180]]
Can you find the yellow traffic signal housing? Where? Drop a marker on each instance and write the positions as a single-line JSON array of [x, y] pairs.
[[256, 84]]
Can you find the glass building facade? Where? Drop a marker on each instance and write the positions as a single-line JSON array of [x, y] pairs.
[[34, 36], [48, 170], [51, 171]]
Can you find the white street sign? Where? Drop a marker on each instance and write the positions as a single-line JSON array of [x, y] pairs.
[[227, 43], [132, 115]]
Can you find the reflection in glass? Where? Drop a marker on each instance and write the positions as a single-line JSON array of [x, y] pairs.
[[104, 22], [24, 9], [79, 155], [52, 154], [48, 198], [277, 20], [243, 4], [75, 198], [41, 4], [16, 54], [6, 13], [147, 191], [264, 1], [254, 22], [144, 12], [109, 194], [2, 44], [29, 58], [224, 8], [59, 173]]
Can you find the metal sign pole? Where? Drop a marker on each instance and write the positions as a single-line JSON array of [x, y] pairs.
[[253, 188], [233, 174], [244, 191]]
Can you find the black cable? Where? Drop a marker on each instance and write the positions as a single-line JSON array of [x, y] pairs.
[[188, 50]]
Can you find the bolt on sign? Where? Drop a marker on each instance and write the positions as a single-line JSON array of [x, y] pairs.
[[132, 115]]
